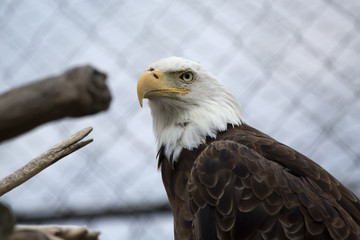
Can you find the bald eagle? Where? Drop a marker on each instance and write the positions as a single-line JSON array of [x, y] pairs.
[[227, 180]]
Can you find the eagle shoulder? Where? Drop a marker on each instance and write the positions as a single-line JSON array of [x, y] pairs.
[[249, 195]]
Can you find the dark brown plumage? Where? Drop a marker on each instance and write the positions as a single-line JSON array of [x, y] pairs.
[[246, 185]]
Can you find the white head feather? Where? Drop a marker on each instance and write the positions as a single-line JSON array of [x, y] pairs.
[[185, 122]]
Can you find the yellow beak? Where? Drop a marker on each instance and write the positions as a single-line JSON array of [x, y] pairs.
[[153, 83]]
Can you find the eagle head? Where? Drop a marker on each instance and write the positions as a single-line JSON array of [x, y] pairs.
[[187, 104]]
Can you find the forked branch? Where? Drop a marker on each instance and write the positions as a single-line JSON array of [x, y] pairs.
[[43, 161]]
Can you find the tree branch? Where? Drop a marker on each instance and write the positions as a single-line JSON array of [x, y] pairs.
[[44, 160], [136, 210]]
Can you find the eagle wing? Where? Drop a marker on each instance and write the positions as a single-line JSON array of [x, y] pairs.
[[235, 192]]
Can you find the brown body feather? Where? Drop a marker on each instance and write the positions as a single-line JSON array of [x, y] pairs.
[[246, 185]]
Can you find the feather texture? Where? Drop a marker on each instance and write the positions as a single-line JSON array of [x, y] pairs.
[[257, 188]]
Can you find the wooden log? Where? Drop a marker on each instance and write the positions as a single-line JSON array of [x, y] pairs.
[[77, 92], [53, 232]]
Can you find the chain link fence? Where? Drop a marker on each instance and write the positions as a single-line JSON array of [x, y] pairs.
[[294, 65]]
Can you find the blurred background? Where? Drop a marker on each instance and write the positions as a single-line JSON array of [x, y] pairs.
[[294, 66]]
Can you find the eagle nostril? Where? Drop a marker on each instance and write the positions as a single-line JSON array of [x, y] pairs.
[[152, 71]]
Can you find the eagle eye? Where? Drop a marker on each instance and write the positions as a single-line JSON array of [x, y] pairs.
[[187, 76]]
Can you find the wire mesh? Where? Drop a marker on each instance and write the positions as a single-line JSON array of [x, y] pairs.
[[294, 66]]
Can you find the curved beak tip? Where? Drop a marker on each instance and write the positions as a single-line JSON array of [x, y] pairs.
[[146, 83], [140, 101], [140, 93]]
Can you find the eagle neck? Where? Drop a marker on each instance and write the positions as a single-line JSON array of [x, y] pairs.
[[178, 127]]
